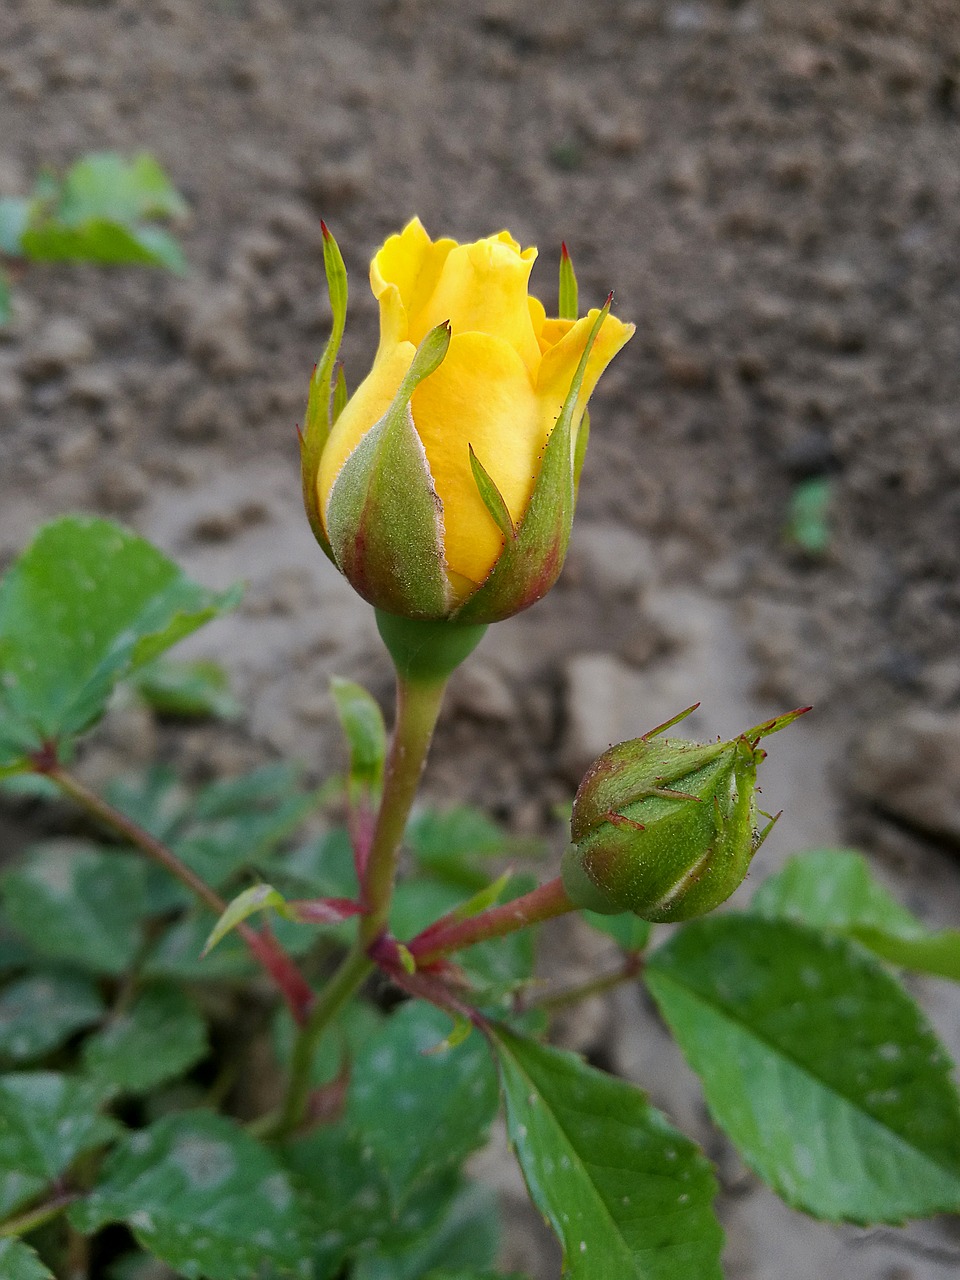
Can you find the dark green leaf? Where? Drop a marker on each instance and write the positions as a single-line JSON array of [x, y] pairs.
[[47, 1120], [204, 1197], [77, 903], [177, 953], [192, 690], [159, 1038], [6, 302], [39, 1012], [817, 1064], [85, 605], [450, 841], [357, 1024], [834, 889], [628, 930], [388, 1167], [627, 1196], [19, 1262], [463, 1241], [17, 1189]]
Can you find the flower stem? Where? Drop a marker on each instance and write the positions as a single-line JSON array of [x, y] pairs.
[[450, 934], [264, 946], [418, 705], [353, 969]]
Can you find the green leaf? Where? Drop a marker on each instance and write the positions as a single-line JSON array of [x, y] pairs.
[[229, 826], [177, 953], [259, 897], [47, 1120], [357, 1023], [84, 606], [14, 216], [19, 1262], [40, 1012], [102, 241], [159, 1038], [448, 843], [76, 903], [190, 690], [629, 931], [6, 302], [817, 1064], [569, 300], [18, 1189], [627, 1196], [834, 889], [104, 184], [383, 513], [464, 1241], [362, 722], [411, 1118], [807, 524], [204, 1197]]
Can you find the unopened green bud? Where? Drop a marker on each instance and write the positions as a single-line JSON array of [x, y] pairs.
[[667, 828]]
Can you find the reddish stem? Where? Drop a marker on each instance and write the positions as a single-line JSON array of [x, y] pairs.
[[450, 934]]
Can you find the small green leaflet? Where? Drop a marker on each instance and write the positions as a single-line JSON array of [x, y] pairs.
[[204, 1197], [817, 1064], [47, 1120], [84, 606], [19, 1262], [362, 722], [159, 1038], [466, 1237], [259, 897], [834, 889], [628, 1196], [42, 1010]]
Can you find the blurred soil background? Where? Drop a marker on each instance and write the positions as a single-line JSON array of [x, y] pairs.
[[772, 189]]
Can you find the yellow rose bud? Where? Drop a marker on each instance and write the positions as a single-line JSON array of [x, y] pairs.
[[477, 423]]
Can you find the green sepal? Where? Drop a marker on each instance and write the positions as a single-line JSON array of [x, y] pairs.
[[492, 497], [531, 562], [427, 649], [321, 414], [384, 518], [569, 294]]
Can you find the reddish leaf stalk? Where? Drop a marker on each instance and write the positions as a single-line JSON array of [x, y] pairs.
[[263, 946], [450, 934]]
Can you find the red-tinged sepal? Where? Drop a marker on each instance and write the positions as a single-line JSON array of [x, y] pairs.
[[383, 517], [325, 389], [531, 561], [667, 828], [322, 910]]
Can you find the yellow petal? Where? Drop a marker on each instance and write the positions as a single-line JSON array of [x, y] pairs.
[[411, 262], [559, 364], [482, 396], [365, 407], [482, 288]]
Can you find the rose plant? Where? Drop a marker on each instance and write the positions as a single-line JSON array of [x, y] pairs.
[[239, 1038]]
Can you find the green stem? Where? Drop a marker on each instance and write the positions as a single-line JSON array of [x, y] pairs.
[[631, 967], [450, 934], [418, 705], [36, 1217], [353, 969]]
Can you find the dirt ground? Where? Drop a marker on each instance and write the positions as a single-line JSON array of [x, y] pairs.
[[772, 189]]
